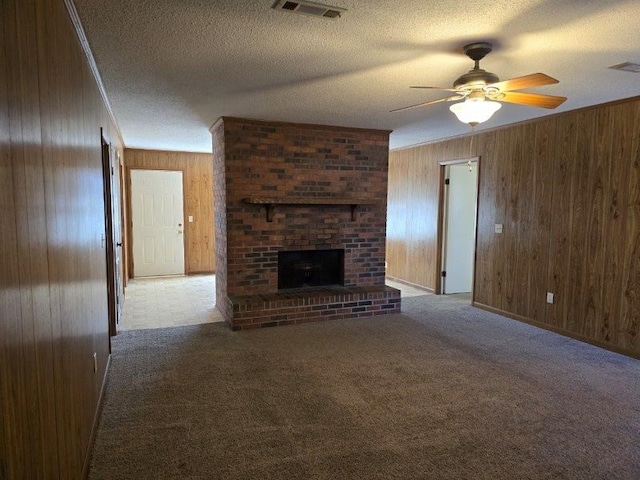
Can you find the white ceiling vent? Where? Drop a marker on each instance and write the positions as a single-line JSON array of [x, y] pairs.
[[627, 67], [309, 8]]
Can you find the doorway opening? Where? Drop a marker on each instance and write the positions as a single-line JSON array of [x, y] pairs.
[[458, 223], [111, 240]]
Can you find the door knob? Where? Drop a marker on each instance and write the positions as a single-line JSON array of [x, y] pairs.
[[179, 224]]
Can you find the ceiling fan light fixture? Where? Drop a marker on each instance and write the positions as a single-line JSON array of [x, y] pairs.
[[482, 90], [474, 111]]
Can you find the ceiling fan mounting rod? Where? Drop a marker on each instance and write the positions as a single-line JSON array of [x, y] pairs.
[[477, 77], [477, 51]]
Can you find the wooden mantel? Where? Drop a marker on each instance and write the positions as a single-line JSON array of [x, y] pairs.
[[270, 203]]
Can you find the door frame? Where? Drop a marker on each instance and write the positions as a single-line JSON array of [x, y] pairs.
[[123, 223], [441, 227], [129, 235], [110, 241]]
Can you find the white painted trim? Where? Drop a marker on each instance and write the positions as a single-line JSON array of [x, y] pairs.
[[460, 160]]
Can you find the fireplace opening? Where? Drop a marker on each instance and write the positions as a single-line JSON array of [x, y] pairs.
[[310, 268]]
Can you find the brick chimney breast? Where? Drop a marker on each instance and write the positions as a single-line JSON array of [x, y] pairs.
[[295, 187]]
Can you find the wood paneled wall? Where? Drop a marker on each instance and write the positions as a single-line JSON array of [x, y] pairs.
[[53, 292], [197, 170], [412, 212], [567, 190]]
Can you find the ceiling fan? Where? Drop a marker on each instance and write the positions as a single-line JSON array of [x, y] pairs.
[[482, 90]]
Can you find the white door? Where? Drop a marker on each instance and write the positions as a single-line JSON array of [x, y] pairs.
[[460, 227], [158, 222]]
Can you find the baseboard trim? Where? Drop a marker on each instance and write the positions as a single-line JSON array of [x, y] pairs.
[[410, 284], [96, 421], [559, 331]]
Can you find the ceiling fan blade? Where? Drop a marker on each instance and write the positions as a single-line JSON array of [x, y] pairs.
[[531, 99], [528, 81], [448, 99], [435, 88]]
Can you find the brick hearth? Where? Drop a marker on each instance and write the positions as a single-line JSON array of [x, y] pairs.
[[311, 305], [283, 187]]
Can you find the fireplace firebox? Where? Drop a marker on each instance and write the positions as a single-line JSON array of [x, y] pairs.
[[310, 268]]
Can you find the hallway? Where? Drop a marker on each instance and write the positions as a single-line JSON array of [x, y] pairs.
[[159, 302]]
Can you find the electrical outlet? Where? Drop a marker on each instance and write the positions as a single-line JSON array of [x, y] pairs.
[[498, 228], [550, 297], [95, 362]]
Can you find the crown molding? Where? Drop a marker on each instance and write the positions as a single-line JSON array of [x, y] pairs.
[[84, 44]]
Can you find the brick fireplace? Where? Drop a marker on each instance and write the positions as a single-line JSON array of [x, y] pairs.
[[297, 191]]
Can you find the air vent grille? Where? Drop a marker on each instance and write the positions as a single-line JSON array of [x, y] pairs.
[[331, 14], [309, 8], [627, 67]]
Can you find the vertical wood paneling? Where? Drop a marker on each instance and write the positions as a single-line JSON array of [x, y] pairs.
[[484, 279], [615, 216], [37, 430], [579, 263], [413, 197], [560, 249], [499, 245], [598, 319], [629, 330], [566, 188], [197, 169], [199, 203], [423, 239], [518, 195], [542, 159], [53, 294], [12, 414], [8, 252], [396, 251]]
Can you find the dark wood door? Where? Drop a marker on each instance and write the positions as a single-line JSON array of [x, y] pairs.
[[111, 241]]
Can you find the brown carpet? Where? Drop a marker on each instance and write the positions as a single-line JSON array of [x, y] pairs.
[[443, 391]]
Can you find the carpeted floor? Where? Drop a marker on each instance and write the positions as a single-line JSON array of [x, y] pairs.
[[442, 391]]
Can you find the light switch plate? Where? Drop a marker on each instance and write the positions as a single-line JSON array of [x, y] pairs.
[[550, 297], [498, 228], [190, 218]]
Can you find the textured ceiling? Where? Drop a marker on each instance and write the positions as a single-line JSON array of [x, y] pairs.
[[171, 68]]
